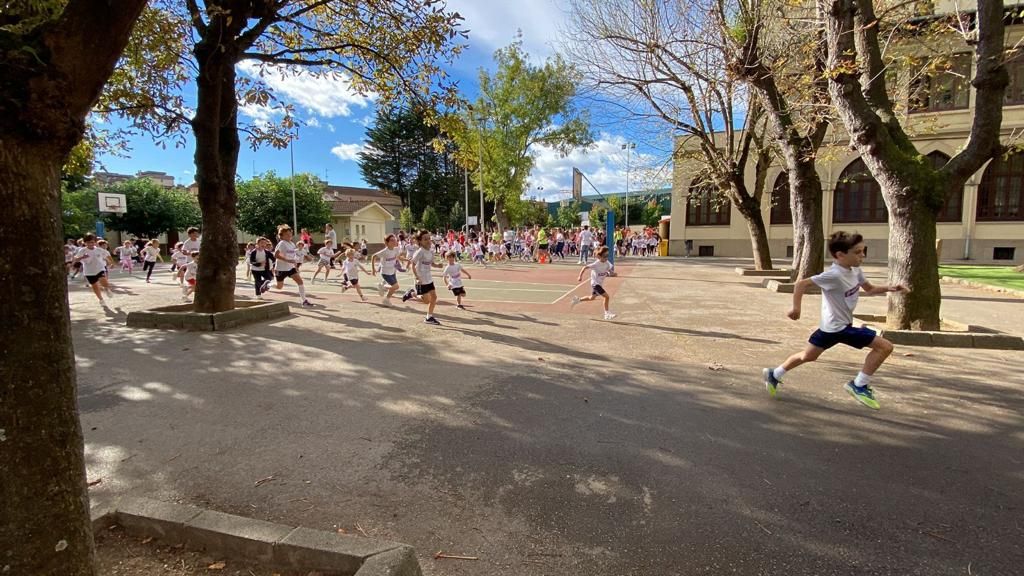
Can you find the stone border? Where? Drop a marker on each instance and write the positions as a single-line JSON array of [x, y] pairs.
[[786, 287], [275, 546], [981, 286], [785, 274], [181, 316], [972, 336]]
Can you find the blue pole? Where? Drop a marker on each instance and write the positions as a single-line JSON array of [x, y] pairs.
[[609, 235]]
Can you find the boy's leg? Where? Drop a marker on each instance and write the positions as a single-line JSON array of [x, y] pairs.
[[880, 350], [431, 300], [773, 377], [607, 299]]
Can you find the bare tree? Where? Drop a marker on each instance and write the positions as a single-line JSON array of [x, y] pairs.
[[913, 190], [667, 62], [781, 54]]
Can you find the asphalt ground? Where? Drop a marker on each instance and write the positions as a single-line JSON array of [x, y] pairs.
[[546, 441]]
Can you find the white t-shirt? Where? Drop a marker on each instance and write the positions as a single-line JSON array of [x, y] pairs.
[[326, 254], [509, 236], [388, 259], [840, 291], [95, 260], [149, 253], [69, 252], [332, 236], [179, 257], [350, 268], [286, 249], [599, 271], [124, 253], [191, 269], [454, 274], [261, 259], [410, 249], [423, 259], [190, 246], [586, 237]]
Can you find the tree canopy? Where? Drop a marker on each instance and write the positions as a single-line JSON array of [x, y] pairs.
[[152, 209], [521, 107], [266, 201]]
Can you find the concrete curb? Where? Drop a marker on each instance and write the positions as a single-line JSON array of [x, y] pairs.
[[786, 287], [787, 275], [181, 316], [970, 336], [980, 286], [273, 545]]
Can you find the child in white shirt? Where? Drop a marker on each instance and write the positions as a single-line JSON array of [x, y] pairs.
[[326, 255], [452, 274], [350, 267], [599, 270]]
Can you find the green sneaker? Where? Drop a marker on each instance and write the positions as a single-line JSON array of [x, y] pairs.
[[864, 394], [770, 381]]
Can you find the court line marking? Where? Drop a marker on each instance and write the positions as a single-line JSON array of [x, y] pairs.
[[574, 288]]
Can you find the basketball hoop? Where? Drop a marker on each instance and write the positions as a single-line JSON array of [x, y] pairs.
[[112, 203]]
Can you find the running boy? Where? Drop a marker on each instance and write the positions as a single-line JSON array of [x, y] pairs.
[[421, 264], [599, 270], [261, 260], [191, 271], [94, 265], [287, 261], [840, 289], [452, 275]]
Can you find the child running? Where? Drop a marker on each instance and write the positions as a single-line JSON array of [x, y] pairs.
[[150, 254], [94, 262], [452, 275], [249, 247], [599, 270], [191, 271], [261, 260], [126, 254], [351, 267], [326, 255], [421, 264], [840, 290], [388, 268], [287, 258]]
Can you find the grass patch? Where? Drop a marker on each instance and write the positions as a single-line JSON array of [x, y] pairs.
[[1001, 276]]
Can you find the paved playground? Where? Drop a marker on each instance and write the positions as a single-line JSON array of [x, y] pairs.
[[546, 441]]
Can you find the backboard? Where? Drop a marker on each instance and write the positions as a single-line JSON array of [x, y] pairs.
[[112, 203]]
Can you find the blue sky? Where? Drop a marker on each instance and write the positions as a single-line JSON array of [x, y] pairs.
[[335, 119]]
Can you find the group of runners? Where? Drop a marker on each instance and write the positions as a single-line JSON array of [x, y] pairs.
[[271, 265]]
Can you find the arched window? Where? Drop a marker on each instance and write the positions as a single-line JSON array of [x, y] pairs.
[[1000, 192], [705, 206], [858, 196], [781, 211], [952, 208]]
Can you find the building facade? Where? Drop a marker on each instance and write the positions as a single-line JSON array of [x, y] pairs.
[[983, 222]]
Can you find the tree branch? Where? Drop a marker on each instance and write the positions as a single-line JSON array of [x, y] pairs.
[[196, 16]]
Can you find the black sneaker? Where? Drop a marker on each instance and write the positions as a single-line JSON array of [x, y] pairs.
[[460, 307], [408, 294], [432, 320]]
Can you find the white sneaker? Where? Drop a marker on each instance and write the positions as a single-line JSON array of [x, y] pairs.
[[382, 288], [609, 316], [385, 301], [575, 301]]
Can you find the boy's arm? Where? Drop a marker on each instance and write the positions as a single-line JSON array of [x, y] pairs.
[[582, 270], [468, 275], [798, 295], [363, 268], [873, 290]]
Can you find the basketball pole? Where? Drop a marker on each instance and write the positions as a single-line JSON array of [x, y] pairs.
[[295, 213]]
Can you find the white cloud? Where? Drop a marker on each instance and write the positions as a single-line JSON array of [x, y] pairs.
[[260, 114], [330, 128], [312, 122], [494, 24], [604, 164], [348, 152], [323, 96]]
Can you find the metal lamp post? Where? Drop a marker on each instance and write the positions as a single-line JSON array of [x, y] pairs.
[[627, 147]]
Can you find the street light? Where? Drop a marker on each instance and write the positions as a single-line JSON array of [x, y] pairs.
[[627, 147], [295, 213], [480, 133]]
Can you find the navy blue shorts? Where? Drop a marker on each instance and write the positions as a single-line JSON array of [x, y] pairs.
[[597, 290], [853, 337], [390, 279]]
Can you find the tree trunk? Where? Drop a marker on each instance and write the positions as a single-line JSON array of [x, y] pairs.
[[751, 211], [913, 260], [44, 504], [217, 145], [805, 204], [499, 214]]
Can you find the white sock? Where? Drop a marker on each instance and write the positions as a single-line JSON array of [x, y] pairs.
[[861, 380], [302, 291], [779, 372]]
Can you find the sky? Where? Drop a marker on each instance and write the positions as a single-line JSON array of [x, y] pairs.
[[334, 119]]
